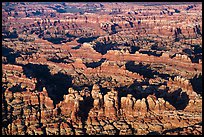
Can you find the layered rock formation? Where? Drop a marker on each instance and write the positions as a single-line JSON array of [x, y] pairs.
[[101, 68]]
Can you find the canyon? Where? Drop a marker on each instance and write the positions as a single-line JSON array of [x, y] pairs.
[[119, 68]]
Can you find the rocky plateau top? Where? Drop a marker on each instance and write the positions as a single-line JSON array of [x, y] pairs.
[[130, 68]]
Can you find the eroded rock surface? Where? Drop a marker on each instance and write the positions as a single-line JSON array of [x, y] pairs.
[[101, 68]]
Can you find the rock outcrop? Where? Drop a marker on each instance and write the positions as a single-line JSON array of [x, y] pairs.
[[101, 68]]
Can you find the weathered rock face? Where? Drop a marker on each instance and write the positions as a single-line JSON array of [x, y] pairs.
[[70, 105], [101, 68], [37, 109], [109, 104], [96, 95]]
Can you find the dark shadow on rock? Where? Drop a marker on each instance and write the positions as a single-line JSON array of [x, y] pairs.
[[89, 39], [187, 51], [144, 70], [197, 84], [113, 28], [56, 85], [124, 90], [104, 90], [10, 35], [195, 58], [197, 30], [141, 69], [61, 60], [154, 133], [166, 76], [5, 111], [104, 47], [197, 49], [153, 53], [76, 47], [178, 99], [133, 49], [10, 55], [95, 64], [85, 108], [17, 88], [57, 40]]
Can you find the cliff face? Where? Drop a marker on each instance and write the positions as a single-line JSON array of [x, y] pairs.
[[101, 69], [90, 110]]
